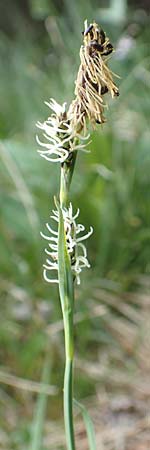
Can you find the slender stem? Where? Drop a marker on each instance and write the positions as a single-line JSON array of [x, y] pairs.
[[67, 310], [68, 377], [68, 404], [65, 180]]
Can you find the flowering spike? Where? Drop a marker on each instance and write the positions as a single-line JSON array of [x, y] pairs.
[[94, 78], [62, 138], [76, 250]]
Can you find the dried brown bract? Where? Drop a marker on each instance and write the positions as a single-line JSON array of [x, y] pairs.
[[94, 78]]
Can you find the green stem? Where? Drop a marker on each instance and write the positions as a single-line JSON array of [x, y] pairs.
[[67, 310], [68, 404], [65, 180], [68, 377]]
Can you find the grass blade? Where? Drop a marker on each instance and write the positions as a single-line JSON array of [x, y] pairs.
[[40, 409], [88, 425]]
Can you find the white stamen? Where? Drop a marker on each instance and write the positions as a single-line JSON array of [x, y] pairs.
[[76, 250]]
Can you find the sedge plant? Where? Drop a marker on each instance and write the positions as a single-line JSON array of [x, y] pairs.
[[66, 131]]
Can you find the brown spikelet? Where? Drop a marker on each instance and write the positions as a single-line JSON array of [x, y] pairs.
[[94, 78]]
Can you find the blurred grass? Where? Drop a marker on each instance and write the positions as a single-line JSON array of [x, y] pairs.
[[111, 187]]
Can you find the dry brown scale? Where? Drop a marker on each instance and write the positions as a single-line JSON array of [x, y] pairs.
[[94, 79]]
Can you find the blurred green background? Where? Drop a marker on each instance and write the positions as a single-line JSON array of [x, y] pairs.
[[39, 53]]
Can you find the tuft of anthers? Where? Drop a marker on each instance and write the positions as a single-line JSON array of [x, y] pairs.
[[94, 78], [76, 249], [62, 139]]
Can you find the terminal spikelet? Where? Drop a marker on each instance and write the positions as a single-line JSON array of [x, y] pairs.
[[94, 78]]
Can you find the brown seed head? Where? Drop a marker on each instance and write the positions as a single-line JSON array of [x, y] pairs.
[[94, 79]]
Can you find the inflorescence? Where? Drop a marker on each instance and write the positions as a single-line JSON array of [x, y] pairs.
[[76, 249], [58, 131], [94, 78], [65, 132]]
